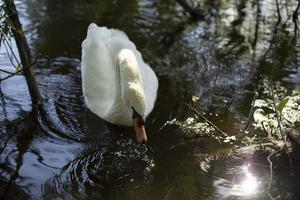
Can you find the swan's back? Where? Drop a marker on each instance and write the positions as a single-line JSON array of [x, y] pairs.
[[97, 71], [100, 74]]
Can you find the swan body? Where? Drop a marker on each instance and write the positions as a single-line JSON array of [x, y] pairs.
[[116, 81]]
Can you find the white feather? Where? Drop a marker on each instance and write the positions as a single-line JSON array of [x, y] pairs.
[[115, 77]]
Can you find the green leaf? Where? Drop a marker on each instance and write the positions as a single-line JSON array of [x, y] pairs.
[[282, 104]]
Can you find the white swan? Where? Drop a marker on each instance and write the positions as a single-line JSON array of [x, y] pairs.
[[117, 84]]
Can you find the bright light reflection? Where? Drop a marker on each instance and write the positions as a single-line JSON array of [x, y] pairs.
[[249, 185]]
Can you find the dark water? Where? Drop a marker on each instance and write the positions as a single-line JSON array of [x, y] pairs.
[[68, 153]]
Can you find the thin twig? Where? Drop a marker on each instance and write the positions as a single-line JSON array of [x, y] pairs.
[[11, 75], [271, 172], [258, 14], [264, 128], [1, 36], [8, 43], [206, 120], [273, 141], [295, 13], [8, 54], [278, 116], [7, 72], [295, 18], [278, 11], [17, 72], [251, 111]]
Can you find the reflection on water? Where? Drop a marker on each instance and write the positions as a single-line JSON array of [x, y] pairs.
[[241, 181], [67, 152], [247, 185], [124, 165]]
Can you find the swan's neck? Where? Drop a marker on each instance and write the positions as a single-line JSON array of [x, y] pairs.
[[132, 89]]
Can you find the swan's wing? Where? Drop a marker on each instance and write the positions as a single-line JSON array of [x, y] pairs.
[[98, 71]]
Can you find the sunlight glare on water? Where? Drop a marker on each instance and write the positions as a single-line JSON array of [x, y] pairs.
[[239, 182], [248, 185]]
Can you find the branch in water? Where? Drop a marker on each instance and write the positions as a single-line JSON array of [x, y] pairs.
[[206, 120], [8, 72], [11, 75], [15, 73], [24, 51]]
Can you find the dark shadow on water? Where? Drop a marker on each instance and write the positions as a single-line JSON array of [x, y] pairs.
[[122, 165], [20, 135]]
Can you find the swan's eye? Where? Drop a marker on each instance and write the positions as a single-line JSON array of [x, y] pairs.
[[141, 122]]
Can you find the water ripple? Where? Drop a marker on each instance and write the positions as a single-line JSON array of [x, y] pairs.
[[122, 166]]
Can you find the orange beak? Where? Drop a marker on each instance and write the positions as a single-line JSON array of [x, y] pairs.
[[140, 132]]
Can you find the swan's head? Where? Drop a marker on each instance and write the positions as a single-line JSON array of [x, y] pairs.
[[139, 127], [133, 91]]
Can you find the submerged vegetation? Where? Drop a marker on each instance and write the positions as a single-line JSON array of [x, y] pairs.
[[276, 109], [272, 137]]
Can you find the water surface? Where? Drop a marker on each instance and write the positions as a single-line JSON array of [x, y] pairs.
[[69, 153]]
